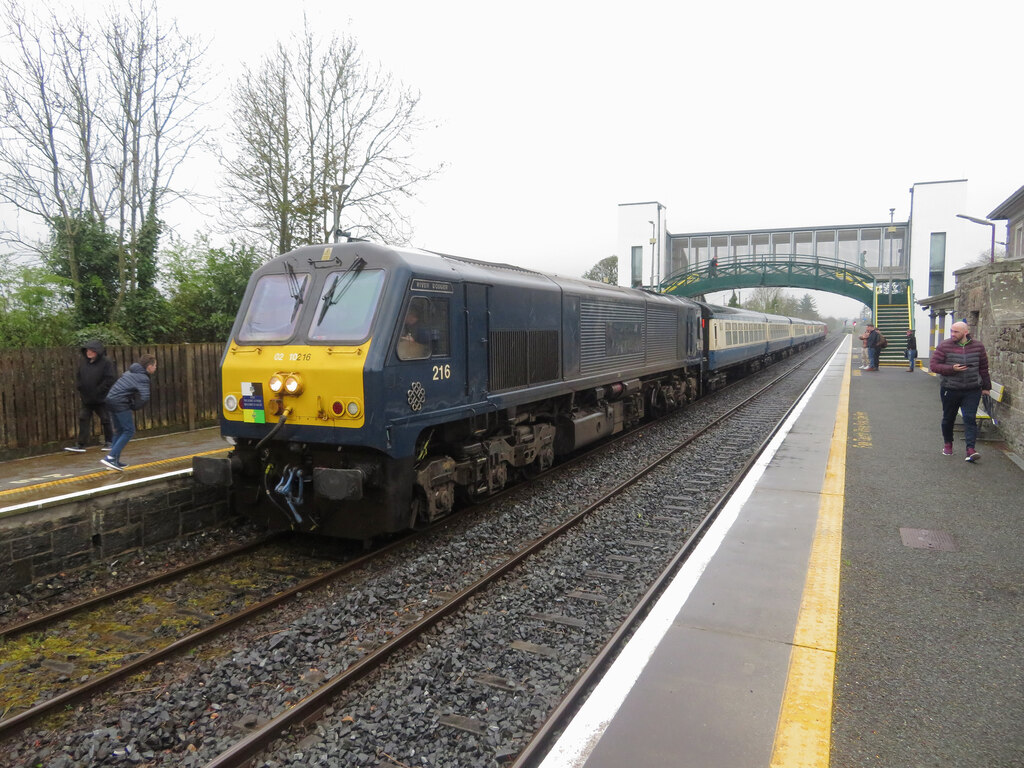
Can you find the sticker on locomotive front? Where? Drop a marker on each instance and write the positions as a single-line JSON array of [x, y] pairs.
[[252, 403]]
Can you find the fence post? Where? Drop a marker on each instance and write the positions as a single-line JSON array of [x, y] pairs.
[[190, 386]]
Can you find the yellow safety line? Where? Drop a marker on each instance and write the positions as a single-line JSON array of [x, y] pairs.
[[803, 734], [104, 473]]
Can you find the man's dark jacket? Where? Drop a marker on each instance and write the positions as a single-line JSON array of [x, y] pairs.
[[971, 353], [95, 377], [131, 391]]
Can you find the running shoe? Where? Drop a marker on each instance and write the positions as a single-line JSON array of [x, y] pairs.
[[109, 463], [947, 449], [75, 449], [972, 455]]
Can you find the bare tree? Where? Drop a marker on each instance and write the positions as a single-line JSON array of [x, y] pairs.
[[97, 123], [773, 300], [316, 129]]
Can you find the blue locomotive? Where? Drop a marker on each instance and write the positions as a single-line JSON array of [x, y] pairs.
[[366, 388]]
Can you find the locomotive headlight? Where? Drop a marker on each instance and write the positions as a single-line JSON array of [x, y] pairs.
[[276, 383], [230, 403], [293, 385]]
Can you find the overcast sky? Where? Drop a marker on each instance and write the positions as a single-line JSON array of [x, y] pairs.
[[735, 115]]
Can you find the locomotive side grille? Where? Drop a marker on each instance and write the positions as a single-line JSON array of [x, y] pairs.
[[522, 358], [662, 334], [611, 335]]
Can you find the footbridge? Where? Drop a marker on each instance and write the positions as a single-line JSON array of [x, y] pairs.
[[776, 270]]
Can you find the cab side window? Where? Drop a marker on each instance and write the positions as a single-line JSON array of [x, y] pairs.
[[425, 329]]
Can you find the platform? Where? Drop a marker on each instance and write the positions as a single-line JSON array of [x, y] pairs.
[[39, 477], [858, 602]]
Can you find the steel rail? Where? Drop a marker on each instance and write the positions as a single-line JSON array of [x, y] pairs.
[[108, 597], [543, 739]]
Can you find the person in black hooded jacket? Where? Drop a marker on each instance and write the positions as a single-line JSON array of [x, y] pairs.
[[95, 376]]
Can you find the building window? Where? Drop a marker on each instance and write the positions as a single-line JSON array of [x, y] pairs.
[[892, 252], [1018, 241], [740, 245], [781, 243], [937, 263], [680, 262], [848, 247], [637, 269], [825, 244], [870, 248], [719, 248], [698, 251]]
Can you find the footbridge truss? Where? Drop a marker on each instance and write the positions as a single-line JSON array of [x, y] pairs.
[[775, 270]]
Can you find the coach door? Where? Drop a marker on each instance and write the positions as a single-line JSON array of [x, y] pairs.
[[476, 340]]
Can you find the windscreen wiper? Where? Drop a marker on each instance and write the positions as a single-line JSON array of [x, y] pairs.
[[330, 299], [294, 288]]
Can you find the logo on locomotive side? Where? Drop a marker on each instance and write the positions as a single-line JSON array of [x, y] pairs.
[[431, 286]]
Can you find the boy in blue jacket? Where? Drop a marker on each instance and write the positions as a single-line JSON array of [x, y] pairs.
[[129, 393]]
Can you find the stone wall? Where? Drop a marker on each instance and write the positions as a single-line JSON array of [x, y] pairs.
[[991, 299], [40, 543]]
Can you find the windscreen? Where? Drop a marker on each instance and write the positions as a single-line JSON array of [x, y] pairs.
[[347, 305], [274, 309]]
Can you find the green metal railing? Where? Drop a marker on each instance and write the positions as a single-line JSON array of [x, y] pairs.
[[776, 270]]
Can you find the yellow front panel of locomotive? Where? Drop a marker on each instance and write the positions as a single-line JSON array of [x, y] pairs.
[[320, 385]]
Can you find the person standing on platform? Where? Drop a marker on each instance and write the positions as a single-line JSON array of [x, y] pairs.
[[871, 342], [911, 353], [865, 360], [95, 375], [129, 393], [963, 365]]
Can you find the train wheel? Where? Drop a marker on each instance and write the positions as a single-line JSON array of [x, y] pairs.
[[658, 403], [419, 510]]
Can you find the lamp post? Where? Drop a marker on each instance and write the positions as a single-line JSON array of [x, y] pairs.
[[654, 258], [987, 223], [337, 189]]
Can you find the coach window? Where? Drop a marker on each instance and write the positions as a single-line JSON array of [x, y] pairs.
[[425, 331]]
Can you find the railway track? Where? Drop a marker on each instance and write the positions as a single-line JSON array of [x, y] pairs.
[[464, 576], [80, 649], [608, 575]]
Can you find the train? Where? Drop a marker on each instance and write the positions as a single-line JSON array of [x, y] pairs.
[[367, 389]]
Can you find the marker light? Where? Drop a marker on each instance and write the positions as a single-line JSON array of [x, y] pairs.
[[230, 403], [276, 383], [353, 408], [293, 385]]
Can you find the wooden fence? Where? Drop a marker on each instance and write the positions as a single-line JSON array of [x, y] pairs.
[[39, 403]]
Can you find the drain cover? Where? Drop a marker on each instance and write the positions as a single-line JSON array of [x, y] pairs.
[[922, 538]]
